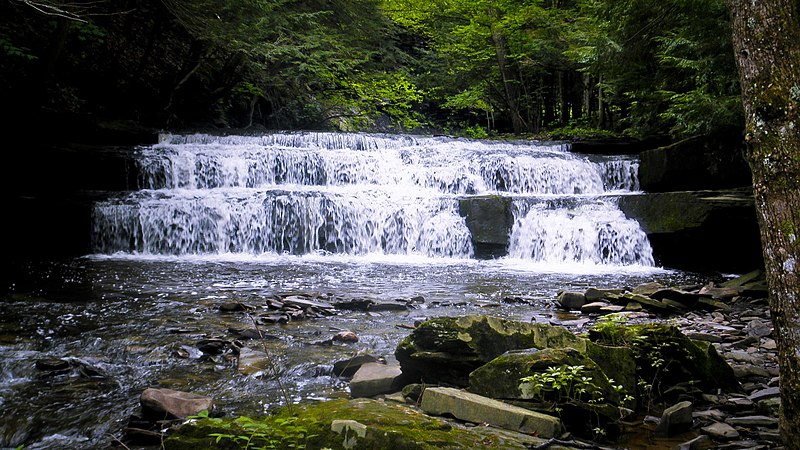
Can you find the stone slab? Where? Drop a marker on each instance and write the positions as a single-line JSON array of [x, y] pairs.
[[479, 409]]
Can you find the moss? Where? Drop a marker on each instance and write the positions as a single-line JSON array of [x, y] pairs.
[[392, 426]]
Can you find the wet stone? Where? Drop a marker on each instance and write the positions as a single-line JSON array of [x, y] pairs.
[[571, 300], [374, 379], [267, 319], [720, 293], [648, 288], [301, 302], [594, 307], [721, 431], [594, 294], [383, 307], [610, 309], [769, 407], [710, 414], [676, 419], [53, 366], [765, 394], [348, 367], [696, 443], [251, 333], [757, 328], [708, 337], [213, 346], [752, 421], [347, 337], [170, 404], [741, 402], [234, 307]]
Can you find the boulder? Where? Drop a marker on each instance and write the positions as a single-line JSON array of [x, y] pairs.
[[489, 219], [373, 379], [161, 404], [446, 349], [478, 409]]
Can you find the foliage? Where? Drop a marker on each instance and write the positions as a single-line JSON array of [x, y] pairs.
[[268, 433], [573, 385], [574, 130], [477, 67], [563, 384]]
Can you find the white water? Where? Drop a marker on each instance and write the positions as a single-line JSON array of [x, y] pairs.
[[366, 195]]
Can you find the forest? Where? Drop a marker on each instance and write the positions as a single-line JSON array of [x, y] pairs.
[[478, 68]]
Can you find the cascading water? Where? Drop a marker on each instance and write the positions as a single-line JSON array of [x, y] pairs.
[[357, 194]]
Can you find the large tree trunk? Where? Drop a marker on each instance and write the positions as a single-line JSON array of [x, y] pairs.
[[766, 40]]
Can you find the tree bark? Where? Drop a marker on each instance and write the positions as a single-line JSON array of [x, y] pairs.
[[766, 37]]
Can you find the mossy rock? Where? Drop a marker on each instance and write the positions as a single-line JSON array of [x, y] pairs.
[[361, 424], [445, 350], [665, 355]]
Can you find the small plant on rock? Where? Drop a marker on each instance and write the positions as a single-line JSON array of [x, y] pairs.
[[269, 433], [563, 384]]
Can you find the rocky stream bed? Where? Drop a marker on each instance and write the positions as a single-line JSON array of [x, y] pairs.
[[648, 366]]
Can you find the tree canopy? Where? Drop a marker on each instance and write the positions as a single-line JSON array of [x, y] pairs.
[[474, 66]]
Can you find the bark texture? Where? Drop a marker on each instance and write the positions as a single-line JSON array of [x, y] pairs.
[[766, 40]]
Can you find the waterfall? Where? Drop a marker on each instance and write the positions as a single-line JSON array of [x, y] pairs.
[[361, 194]]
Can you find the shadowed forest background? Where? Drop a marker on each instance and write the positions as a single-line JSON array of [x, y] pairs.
[[556, 68]]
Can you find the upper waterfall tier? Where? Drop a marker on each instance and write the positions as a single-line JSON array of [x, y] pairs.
[[328, 159]]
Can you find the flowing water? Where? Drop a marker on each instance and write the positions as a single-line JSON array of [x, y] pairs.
[[238, 218]]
